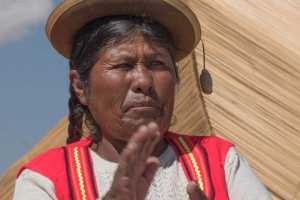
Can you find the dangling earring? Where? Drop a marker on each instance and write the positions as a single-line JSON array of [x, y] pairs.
[[205, 77], [204, 82]]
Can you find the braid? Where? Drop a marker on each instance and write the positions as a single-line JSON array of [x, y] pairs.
[[76, 113]]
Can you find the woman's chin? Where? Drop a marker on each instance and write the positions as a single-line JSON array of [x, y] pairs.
[[130, 126], [133, 125]]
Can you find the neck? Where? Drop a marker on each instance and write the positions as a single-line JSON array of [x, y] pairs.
[[112, 151]]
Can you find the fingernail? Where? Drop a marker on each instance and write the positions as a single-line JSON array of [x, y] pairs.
[[142, 128], [132, 145], [153, 125]]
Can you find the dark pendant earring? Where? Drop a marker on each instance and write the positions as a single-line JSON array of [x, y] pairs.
[[206, 81]]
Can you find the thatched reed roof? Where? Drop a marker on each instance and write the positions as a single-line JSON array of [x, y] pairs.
[[253, 54]]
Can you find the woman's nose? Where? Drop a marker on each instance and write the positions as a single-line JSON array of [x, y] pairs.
[[142, 80]]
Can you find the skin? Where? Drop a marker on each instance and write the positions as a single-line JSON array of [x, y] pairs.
[[130, 94]]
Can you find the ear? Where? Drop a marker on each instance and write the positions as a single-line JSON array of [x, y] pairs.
[[78, 86]]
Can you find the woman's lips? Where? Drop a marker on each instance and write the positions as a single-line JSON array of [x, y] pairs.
[[142, 106], [144, 109], [148, 112]]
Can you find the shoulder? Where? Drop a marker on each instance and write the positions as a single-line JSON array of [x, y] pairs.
[[32, 185], [242, 182], [53, 162], [216, 148], [216, 145], [206, 141], [44, 163], [214, 141]]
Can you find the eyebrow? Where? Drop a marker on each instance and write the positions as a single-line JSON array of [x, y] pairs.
[[131, 57]]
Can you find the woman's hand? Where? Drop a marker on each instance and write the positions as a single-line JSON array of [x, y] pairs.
[[194, 192], [137, 167]]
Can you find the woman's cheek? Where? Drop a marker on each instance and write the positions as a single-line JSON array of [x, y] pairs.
[[166, 83]]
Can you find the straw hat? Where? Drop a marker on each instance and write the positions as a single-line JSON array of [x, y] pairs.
[[71, 15]]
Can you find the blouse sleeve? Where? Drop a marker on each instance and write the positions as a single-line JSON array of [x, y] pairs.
[[33, 186], [241, 181]]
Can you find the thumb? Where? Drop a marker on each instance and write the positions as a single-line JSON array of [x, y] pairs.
[[194, 192]]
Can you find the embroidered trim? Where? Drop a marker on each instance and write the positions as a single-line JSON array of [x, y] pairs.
[[194, 163], [79, 173], [70, 187]]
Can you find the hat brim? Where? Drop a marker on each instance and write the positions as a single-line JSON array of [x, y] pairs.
[[71, 15]]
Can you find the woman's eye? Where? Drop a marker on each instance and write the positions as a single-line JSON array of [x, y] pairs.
[[157, 63], [123, 66]]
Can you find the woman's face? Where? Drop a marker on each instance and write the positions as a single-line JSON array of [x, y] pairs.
[[131, 84]]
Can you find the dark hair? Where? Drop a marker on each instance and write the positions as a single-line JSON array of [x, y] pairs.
[[92, 38]]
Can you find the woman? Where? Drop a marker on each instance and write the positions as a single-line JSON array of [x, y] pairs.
[[123, 76]]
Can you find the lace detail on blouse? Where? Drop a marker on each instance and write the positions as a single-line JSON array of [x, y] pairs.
[[169, 181]]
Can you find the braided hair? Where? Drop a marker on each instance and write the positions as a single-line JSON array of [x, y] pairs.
[[88, 42]]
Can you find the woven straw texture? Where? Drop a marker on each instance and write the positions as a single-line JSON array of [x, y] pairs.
[[253, 54]]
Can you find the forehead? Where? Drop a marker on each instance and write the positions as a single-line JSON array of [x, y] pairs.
[[136, 46]]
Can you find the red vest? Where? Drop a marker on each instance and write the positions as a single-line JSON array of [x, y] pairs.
[[70, 169]]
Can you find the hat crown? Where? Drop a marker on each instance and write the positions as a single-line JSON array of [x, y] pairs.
[[71, 15]]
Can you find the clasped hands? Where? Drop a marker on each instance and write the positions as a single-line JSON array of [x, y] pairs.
[[137, 168]]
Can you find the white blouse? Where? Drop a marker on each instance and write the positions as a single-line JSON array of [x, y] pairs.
[[169, 181]]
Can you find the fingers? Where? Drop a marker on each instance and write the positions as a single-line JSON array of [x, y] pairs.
[[138, 150], [152, 165], [147, 177], [195, 192], [152, 136], [137, 167]]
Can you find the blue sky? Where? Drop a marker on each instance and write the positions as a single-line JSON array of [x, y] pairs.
[[33, 80]]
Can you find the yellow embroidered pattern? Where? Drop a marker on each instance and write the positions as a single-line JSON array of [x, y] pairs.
[[191, 156], [79, 174]]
